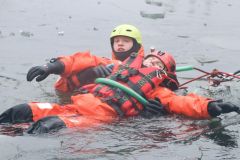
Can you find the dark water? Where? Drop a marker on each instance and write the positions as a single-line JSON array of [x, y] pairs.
[[195, 32]]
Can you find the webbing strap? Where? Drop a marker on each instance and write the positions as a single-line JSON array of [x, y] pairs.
[[145, 79], [116, 107]]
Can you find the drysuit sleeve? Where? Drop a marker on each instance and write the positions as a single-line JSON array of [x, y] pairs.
[[191, 105], [80, 61], [74, 65]]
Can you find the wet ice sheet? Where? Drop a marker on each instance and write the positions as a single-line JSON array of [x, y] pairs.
[[225, 42]]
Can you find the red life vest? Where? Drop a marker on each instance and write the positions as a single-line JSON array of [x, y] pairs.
[[130, 74]]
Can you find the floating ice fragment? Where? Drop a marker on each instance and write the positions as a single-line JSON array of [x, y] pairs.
[[25, 33], [95, 28], [153, 2], [12, 34], [1, 36], [152, 15], [61, 33]]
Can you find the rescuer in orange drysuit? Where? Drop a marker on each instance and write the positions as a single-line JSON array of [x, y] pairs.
[[101, 103]]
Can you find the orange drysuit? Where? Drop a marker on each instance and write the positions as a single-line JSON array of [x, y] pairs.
[[89, 110], [79, 62]]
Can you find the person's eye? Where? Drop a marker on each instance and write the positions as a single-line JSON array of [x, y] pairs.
[[161, 65]]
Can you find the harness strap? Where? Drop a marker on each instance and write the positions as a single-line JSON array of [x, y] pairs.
[[121, 68], [127, 63], [126, 98], [115, 106], [131, 59], [96, 91], [122, 98], [145, 78], [148, 77]]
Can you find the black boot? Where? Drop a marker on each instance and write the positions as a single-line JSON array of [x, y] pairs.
[[45, 125], [21, 113]]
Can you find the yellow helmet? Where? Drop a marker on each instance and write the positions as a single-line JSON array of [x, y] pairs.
[[127, 30]]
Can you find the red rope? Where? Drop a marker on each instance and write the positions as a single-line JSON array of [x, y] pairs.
[[231, 75], [211, 75], [194, 79]]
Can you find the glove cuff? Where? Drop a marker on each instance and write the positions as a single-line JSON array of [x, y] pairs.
[[56, 66], [213, 109]]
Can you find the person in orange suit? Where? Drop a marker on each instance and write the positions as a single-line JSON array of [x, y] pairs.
[[152, 77]]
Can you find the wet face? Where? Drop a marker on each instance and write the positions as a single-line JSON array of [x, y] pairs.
[[153, 61], [122, 43]]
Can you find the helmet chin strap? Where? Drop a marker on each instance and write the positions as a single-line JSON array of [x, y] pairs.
[[124, 55]]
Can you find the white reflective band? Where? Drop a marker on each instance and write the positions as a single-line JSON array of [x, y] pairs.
[[74, 120], [58, 79], [44, 105]]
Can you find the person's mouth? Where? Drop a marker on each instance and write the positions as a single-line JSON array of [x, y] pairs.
[[121, 50]]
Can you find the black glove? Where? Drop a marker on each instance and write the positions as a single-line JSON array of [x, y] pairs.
[[89, 75], [41, 72], [217, 108], [102, 71], [46, 125], [154, 107]]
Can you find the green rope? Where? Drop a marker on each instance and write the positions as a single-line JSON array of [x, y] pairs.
[[123, 88], [184, 68]]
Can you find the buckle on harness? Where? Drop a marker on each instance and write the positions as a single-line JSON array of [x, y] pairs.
[[133, 55], [133, 72], [160, 72], [123, 78]]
